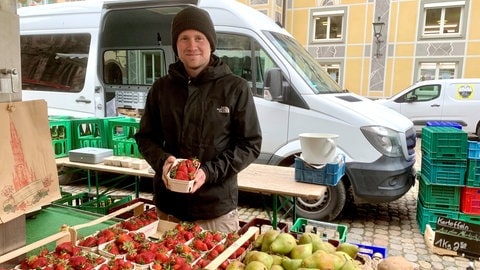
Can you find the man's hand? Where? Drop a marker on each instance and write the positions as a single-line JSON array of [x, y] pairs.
[[199, 180], [166, 168]]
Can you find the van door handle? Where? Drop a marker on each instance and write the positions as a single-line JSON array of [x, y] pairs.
[[83, 99], [435, 105]]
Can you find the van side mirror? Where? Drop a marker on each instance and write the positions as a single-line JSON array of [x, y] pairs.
[[273, 84], [411, 98]]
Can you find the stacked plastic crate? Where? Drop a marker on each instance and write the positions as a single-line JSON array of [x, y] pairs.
[[470, 194], [443, 169], [69, 133], [121, 136], [61, 133]]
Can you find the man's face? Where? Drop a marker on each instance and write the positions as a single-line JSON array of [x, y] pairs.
[[193, 50]]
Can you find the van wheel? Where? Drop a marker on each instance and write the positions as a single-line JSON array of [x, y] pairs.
[[327, 208]]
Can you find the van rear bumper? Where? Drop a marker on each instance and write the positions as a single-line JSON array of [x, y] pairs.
[[384, 180]]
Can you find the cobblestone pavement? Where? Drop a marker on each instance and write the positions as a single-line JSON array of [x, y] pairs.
[[391, 225]]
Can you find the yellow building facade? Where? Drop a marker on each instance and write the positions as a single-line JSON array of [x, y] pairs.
[[418, 39]]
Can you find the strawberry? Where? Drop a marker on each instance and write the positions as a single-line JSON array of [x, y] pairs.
[[78, 261], [199, 245], [217, 237], [145, 257], [112, 248], [180, 175], [37, 262], [90, 241], [219, 248], [212, 254]]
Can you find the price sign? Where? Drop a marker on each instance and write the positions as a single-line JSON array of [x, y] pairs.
[[459, 236]]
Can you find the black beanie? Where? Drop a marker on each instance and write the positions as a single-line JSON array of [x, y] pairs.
[[196, 19]]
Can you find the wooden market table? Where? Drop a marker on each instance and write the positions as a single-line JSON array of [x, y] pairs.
[[257, 178]]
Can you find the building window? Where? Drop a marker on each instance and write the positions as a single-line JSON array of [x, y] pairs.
[[333, 70], [435, 71], [443, 18], [328, 25]]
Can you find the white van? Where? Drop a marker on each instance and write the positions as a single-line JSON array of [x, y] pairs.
[[94, 58], [452, 100]]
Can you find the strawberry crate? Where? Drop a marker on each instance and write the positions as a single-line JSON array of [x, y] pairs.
[[61, 133], [473, 173], [444, 172], [329, 174], [439, 196], [444, 143], [470, 200], [121, 138], [473, 150], [429, 216]]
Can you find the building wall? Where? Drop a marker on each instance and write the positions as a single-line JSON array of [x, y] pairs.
[[364, 66], [404, 48]]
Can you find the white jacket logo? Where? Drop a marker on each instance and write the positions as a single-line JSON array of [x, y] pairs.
[[223, 109]]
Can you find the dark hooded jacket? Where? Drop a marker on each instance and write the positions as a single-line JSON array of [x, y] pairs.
[[211, 117]]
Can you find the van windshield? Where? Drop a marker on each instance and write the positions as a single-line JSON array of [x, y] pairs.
[[305, 64]]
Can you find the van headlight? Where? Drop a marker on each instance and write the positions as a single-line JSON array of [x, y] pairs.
[[385, 140]]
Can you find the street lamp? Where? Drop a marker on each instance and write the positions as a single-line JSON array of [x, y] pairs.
[[377, 32]]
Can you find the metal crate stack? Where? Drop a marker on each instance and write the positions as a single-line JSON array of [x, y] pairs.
[[442, 175]]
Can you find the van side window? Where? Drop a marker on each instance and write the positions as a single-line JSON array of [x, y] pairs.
[[422, 93], [245, 58], [54, 62]]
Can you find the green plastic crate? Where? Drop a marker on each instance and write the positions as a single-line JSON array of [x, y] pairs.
[[90, 202], [121, 136], [430, 215], [444, 172], [473, 173], [61, 133], [91, 132], [439, 196], [474, 219], [301, 223], [444, 143]]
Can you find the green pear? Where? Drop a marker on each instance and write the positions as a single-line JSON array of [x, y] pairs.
[[255, 265], [308, 238], [277, 259], [277, 267], [350, 249], [323, 245], [351, 265], [236, 265], [320, 260], [291, 264], [257, 244], [268, 237], [283, 243], [340, 259], [301, 251], [260, 256]]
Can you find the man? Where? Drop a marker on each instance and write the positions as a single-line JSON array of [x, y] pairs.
[[199, 110]]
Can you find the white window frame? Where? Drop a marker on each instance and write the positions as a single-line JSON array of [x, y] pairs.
[[444, 28], [437, 68], [328, 14]]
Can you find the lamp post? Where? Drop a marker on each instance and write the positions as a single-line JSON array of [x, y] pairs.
[[377, 32]]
